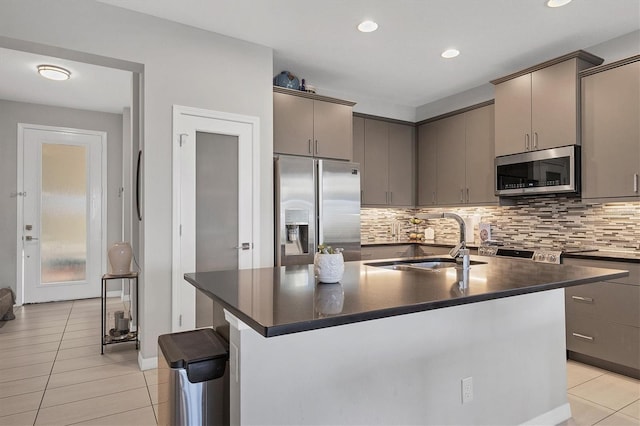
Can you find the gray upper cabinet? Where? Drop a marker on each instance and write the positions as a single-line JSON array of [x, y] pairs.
[[311, 125], [610, 131], [387, 160], [427, 173], [538, 108], [455, 159]]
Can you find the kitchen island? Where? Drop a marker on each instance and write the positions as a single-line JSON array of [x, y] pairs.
[[392, 347]]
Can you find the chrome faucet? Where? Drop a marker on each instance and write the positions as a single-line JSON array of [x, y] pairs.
[[460, 252]]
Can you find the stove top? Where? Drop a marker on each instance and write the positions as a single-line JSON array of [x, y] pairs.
[[536, 255]]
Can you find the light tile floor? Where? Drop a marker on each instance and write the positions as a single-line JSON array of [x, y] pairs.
[[52, 373]]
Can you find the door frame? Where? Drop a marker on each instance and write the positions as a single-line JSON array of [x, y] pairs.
[[20, 185], [176, 264]]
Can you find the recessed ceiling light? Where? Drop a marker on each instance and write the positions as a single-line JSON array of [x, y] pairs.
[[53, 72], [450, 53], [557, 3], [367, 26]]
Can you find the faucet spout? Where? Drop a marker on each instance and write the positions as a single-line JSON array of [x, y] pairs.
[[460, 251]]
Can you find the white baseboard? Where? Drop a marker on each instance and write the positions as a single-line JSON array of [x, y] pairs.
[[551, 418], [147, 363]]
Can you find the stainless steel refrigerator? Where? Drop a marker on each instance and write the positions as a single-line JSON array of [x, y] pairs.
[[317, 202]]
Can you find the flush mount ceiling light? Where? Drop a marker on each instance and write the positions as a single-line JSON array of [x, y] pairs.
[[450, 53], [53, 72], [367, 26], [557, 3]]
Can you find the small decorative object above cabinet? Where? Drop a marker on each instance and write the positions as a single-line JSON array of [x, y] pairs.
[[311, 125], [385, 151], [455, 158], [611, 131], [538, 108]]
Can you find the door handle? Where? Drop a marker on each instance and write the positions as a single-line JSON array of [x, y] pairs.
[[461, 195], [535, 140], [526, 142], [30, 238], [317, 145], [244, 246], [635, 183], [310, 146], [467, 195], [583, 299]]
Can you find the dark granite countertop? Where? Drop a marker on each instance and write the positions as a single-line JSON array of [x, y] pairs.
[[284, 300]]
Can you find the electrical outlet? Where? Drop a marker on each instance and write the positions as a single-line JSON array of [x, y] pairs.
[[467, 390]]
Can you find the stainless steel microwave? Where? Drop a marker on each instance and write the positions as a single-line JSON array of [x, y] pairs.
[[548, 171]]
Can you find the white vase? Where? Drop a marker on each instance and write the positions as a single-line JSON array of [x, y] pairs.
[[120, 255], [329, 299], [328, 268]]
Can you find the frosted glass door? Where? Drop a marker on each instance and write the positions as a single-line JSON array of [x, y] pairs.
[[64, 199], [61, 223]]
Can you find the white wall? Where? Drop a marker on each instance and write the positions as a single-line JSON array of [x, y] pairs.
[[12, 113], [184, 66]]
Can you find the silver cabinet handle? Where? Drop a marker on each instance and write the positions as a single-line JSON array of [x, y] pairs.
[[390, 197], [635, 183], [582, 336], [244, 246], [433, 197], [535, 140], [310, 146], [467, 195], [582, 299], [317, 145], [30, 238], [361, 196], [462, 195], [526, 141]]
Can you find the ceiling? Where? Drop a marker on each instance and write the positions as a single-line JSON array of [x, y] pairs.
[[400, 63], [317, 40], [91, 87]]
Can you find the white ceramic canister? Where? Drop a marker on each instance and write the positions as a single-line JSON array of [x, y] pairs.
[[120, 255]]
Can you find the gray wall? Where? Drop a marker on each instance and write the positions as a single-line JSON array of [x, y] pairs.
[[12, 113], [183, 66]]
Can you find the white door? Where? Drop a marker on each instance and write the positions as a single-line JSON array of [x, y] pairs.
[[216, 176], [60, 235]]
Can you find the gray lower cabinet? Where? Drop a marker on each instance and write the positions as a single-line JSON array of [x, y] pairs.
[[386, 251], [385, 151], [603, 319], [611, 131]]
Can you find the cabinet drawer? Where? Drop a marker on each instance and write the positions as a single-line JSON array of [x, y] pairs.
[[618, 303], [604, 340], [633, 268]]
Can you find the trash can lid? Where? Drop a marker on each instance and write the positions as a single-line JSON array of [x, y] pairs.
[[203, 353]]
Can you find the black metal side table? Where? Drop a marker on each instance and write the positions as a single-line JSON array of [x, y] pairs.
[[113, 336]]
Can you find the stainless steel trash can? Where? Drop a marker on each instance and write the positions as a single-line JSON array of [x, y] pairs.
[[193, 383]]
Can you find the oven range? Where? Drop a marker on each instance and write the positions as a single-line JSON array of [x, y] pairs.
[[536, 255]]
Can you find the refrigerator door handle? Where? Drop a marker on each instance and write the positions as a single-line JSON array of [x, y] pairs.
[[319, 184]]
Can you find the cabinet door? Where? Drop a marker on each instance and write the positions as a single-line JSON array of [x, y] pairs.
[[333, 130], [427, 141], [401, 160], [358, 148], [292, 125], [554, 113], [480, 156], [513, 115], [610, 132], [451, 160], [376, 135]]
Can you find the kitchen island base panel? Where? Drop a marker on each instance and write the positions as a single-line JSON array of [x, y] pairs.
[[408, 369]]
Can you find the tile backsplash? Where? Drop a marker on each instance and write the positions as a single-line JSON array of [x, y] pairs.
[[541, 222]]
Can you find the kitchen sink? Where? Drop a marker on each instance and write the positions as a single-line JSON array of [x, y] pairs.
[[432, 264]]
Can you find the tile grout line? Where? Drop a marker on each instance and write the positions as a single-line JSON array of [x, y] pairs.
[[53, 365], [150, 398]]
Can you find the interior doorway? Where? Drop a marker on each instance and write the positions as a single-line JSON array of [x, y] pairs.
[[61, 173], [216, 203]]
